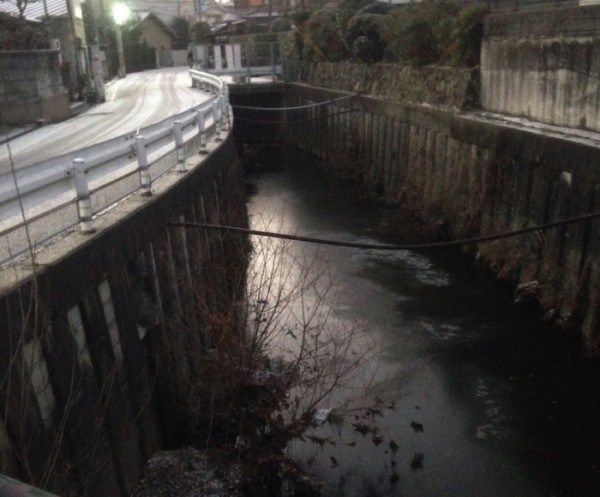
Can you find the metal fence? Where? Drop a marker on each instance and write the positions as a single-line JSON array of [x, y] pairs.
[[509, 5], [52, 197], [243, 59]]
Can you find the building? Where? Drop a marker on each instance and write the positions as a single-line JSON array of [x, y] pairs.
[[241, 5], [157, 35], [62, 22], [166, 10]]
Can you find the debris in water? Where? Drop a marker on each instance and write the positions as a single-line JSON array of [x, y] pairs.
[[319, 440], [417, 461], [320, 416], [377, 439], [361, 428], [334, 462], [416, 426], [394, 446], [394, 478]]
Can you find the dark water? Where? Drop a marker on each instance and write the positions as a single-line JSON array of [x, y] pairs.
[[488, 401]]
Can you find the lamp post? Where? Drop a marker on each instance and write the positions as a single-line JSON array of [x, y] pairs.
[[120, 13]]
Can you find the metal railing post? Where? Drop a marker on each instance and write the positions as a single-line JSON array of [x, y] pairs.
[[217, 120], [84, 201], [224, 101], [142, 156], [201, 131], [177, 131]]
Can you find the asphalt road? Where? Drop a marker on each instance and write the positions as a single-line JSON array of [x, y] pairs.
[[136, 101]]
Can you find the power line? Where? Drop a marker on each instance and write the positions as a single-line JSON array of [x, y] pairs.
[[298, 107], [406, 246]]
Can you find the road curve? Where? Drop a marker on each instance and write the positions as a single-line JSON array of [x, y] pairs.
[[133, 102]]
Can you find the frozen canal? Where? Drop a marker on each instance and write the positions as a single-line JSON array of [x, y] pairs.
[[487, 401]]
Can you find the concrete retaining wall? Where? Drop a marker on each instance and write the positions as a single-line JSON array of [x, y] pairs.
[[99, 346], [474, 178], [31, 88], [544, 65], [437, 86]]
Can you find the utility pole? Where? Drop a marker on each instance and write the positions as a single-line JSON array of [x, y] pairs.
[[47, 23]]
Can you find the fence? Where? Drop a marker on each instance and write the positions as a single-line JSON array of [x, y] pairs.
[[508, 5], [52, 197], [244, 59]]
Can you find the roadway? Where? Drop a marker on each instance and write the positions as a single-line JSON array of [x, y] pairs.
[[136, 101]]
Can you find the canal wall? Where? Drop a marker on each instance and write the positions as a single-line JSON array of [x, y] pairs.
[[101, 337], [537, 63], [544, 65], [448, 87], [470, 178]]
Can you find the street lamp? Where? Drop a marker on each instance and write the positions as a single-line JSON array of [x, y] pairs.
[[120, 13]]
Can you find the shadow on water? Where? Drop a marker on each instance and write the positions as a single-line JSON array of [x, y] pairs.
[[489, 401]]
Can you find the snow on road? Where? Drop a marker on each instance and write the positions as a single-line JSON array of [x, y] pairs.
[[136, 101]]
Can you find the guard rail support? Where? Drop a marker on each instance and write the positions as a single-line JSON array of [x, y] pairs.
[[177, 131], [225, 108], [142, 156], [84, 200], [201, 131], [216, 117]]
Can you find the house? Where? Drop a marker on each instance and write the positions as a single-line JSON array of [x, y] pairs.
[[157, 35], [216, 12], [166, 10], [261, 19]]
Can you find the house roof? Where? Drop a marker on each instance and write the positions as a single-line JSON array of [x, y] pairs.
[[36, 9], [166, 10], [147, 15], [262, 15], [225, 27]]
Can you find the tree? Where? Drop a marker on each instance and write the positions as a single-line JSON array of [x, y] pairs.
[[274, 360], [199, 31], [21, 5], [465, 46], [321, 39], [181, 32], [17, 33], [363, 35], [419, 34]]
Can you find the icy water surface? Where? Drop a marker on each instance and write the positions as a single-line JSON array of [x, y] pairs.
[[487, 401]]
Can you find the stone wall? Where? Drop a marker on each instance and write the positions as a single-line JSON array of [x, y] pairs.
[[436, 86], [474, 178], [31, 88], [544, 66], [101, 338]]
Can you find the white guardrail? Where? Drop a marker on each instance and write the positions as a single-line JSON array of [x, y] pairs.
[[52, 197]]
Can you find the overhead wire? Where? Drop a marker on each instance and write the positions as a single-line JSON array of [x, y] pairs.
[[297, 107], [405, 246]]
